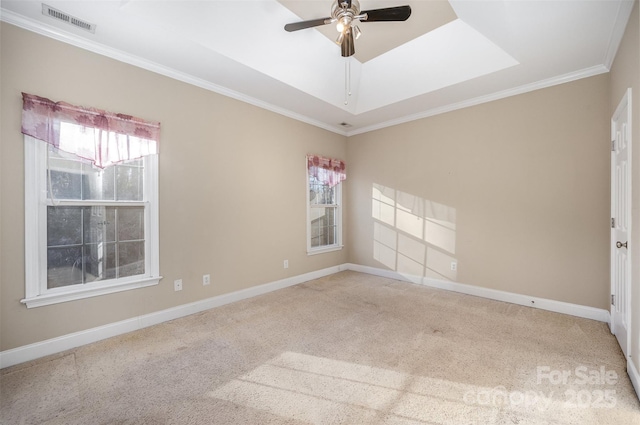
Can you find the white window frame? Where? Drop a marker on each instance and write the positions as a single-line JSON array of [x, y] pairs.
[[327, 248], [36, 292]]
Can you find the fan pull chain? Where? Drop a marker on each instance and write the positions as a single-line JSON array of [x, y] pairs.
[[347, 81]]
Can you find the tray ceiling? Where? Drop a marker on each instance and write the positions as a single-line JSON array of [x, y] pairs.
[[448, 55]]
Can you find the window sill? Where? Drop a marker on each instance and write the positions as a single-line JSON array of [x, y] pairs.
[[78, 294], [325, 249]]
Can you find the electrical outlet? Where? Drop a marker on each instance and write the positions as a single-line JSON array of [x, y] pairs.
[[454, 266], [177, 285], [286, 264], [206, 279]]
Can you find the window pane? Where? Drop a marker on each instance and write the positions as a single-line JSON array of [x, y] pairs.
[[65, 179], [90, 243], [64, 226], [129, 184], [64, 266], [97, 184], [331, 235], [130, 223], [99, 224], [321, 193], [100, 261], [130, 258], [323, 226], [72, 177]]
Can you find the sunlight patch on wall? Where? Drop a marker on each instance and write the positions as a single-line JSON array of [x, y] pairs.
[[382, 207], [409, 223], [414, 236], [385, 245]]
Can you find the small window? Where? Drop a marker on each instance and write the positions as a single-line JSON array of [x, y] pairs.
[[89, 230], [324, 214]]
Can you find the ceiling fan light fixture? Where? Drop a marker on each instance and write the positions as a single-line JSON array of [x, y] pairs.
[[346, 14], [343, 23], [356, 32]]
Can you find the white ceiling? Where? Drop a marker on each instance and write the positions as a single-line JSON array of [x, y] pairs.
[[448, 55]]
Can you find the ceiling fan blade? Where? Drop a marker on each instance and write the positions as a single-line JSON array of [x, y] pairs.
[[400, 13], [307, 24], [348, 46]]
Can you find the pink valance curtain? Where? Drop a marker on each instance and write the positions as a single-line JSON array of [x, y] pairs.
[[103, 138], [327, 170]]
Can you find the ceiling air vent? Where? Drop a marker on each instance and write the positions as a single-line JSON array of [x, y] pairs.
[[65, 17]]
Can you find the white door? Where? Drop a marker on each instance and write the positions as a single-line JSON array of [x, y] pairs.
[[621, 219]]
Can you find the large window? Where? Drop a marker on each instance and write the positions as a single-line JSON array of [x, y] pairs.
[[91, 201], [89, 231], [324, 212]]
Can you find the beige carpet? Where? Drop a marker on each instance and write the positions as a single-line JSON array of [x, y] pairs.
[[346, 349]]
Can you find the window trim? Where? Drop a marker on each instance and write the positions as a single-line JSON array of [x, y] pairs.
[[35, 190], [327, 248]]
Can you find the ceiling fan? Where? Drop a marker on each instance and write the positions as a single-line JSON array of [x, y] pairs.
[[347, 14]]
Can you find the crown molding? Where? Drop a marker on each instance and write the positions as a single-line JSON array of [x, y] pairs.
[[566, 78]]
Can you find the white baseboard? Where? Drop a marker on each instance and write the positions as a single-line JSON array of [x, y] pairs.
[[55, 345], [493, 294], [77, 339], [634, 376]]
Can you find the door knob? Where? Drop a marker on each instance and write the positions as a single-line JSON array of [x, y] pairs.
[[620, 244]]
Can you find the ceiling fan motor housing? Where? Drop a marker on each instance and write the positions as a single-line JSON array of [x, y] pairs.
[[345, 11]]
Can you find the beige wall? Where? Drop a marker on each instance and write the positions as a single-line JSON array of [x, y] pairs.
[[516, 192], [625, 73], [232, 185]]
